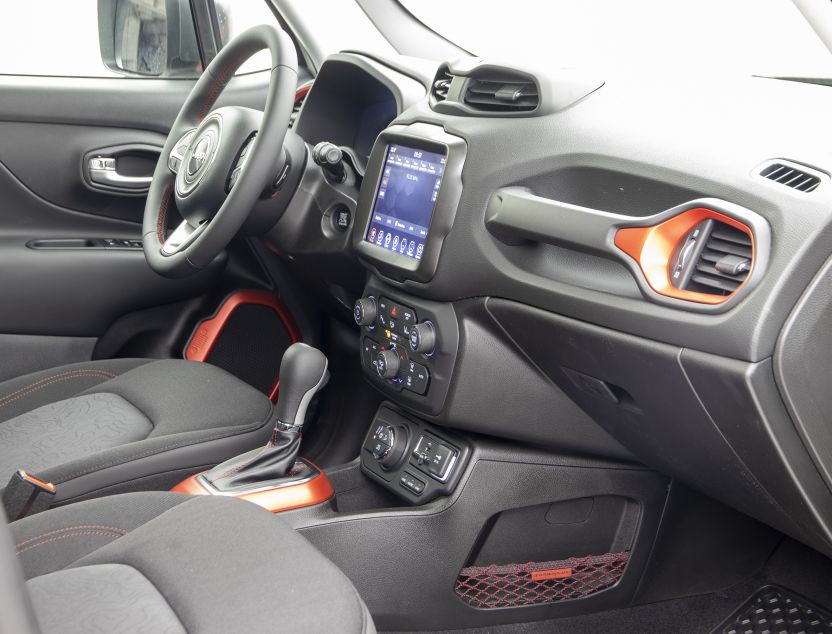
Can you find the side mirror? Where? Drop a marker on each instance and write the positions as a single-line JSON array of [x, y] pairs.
[[150, 38]]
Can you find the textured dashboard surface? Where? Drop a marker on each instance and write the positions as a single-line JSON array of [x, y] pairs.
[[631, 144]]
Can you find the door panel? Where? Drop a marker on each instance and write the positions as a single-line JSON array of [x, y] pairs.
[[48, 126], [144, 104], [73, 291], [48, 159]]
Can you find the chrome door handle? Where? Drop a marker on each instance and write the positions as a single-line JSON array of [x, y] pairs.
[[102, 170]]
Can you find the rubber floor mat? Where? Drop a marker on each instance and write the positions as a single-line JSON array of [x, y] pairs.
[[775, 610]]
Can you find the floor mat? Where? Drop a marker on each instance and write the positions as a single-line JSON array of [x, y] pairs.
[[668, 617], [805, 572], [775, 610]]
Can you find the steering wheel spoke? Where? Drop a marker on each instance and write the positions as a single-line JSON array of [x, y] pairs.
[[177, 154], [182, 236]]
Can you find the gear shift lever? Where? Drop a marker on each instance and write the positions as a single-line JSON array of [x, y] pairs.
[[303, 373]]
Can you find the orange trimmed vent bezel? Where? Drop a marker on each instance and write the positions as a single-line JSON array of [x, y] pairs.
[[208, 331], [653, 248]]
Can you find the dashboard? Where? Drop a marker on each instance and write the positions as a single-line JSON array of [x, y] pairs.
[[600, 266]]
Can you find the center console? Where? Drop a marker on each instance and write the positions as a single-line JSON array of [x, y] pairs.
[[405, 211]]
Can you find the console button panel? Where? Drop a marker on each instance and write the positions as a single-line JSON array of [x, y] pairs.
[[411, 458], [434, 457], [412, 483]]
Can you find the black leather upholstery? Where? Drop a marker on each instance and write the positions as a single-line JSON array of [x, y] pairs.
[[163, 562], [112, 426]]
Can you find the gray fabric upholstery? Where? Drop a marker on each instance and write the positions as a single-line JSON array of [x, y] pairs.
[[120, 421], [53, 540], [69, 430], [221, 564], [16, 612], [184, 396], [29, 391], [101, 600]]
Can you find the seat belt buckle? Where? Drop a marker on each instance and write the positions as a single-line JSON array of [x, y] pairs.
[[26, 494]]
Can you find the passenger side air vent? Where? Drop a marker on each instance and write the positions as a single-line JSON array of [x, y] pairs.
[[790, 176], [502, 92], [441, 84], [715, 258]]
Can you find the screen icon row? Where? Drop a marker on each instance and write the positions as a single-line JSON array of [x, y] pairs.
[[394, 242]]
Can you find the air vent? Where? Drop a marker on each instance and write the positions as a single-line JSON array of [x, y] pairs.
[[441, 84], [791, 176], [502, 92], [715, 259]]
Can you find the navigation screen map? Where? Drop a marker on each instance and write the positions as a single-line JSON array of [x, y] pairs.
[[405, 200]]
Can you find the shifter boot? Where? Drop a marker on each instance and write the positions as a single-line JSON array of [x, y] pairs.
[[258, 466]]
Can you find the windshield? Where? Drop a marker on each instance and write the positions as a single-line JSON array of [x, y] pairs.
[[761, 37]]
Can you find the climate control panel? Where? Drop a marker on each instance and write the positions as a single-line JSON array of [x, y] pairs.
[[408, 345], [396, 347]]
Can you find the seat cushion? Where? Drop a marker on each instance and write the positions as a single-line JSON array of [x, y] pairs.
[[71, 429], [162, 562], [103, 598], [115, 426]]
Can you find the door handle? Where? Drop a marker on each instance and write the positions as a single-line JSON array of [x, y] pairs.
[[121, 169], [102, 170]]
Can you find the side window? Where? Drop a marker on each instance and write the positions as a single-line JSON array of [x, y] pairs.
[[234, 17], [118, 38], [103, 38]]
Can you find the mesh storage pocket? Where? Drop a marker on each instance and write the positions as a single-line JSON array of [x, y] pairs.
[[535, 583]]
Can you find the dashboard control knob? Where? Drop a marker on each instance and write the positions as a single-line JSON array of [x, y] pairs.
[[423, 338], [365, 311], [388, 444], [385, 437], [387, 364]]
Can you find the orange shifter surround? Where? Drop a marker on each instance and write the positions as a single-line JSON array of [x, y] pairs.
[[653, 249], [286, 498]]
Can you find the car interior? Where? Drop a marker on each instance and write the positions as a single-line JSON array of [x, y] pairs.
[[348, 316]]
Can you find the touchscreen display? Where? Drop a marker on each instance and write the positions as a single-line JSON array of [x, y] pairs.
[[405, 200]]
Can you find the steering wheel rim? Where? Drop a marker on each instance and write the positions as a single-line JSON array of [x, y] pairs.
[[206, 232]]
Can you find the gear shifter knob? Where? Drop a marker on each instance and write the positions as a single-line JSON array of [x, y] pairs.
[[303, 372]]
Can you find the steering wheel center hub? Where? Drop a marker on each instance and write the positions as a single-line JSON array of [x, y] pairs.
[[199, 156]]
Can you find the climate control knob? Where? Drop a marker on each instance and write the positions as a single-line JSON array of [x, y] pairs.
[[423, 338], [365, 311], [387, 364]]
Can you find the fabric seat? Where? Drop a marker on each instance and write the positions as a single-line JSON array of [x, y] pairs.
[[163, 562], [126, 424]]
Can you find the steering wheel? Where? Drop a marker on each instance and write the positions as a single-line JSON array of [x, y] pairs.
[[217, 163]]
